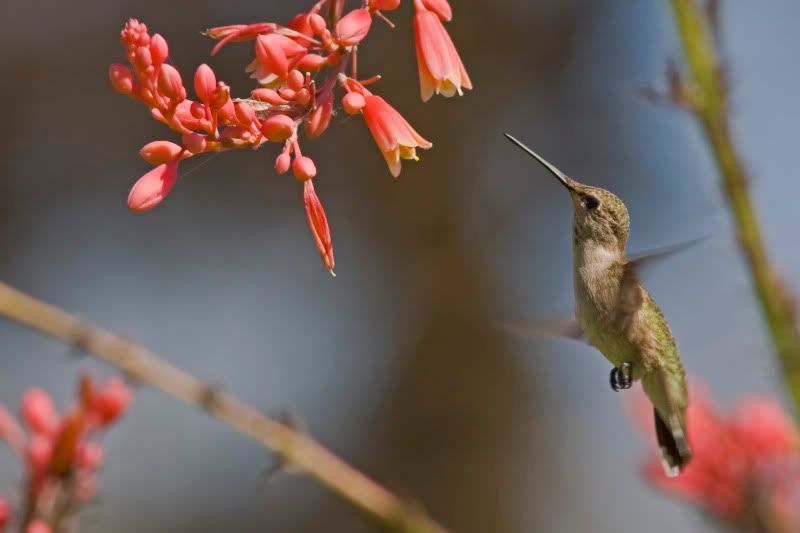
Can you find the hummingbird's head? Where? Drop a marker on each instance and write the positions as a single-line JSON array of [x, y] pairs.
[[599, 215]]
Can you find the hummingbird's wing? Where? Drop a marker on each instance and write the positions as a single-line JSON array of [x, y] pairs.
[[631, 295], [631, 298], [564, 327]]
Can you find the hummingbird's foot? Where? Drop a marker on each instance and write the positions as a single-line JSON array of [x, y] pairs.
[[622, 377]]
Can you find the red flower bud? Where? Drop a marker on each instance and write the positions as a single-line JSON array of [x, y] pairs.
[[267, 95], [319, 224], [205, 82], [277, 128], [311, 62], [282, 163], [121, 79], [159, 152], [142, 60], [153, 187], [197, 110], [318, 120], [317, 23], [353, 27], [295, 80], [353, 103], [220, 97], [39, 453], [89, 456], [304, 168], [38, 411], [194, 142], [169, 82], [286, 93], [158, 49], [302, 97], [226, 114], [111, 401], [244, 113], [384, 5]]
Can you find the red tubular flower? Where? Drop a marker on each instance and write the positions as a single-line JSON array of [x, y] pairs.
[[440, 68], [275, 54], [394, 136], [319, 225], [151, 189], [440, 7]]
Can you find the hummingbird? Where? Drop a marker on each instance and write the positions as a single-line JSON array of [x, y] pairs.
[[618, 316]]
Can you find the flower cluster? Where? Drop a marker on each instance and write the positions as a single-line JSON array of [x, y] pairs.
[[745, 469], [299, 68], [61, 452]]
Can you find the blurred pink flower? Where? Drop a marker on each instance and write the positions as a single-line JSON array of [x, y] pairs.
[[732, 475]]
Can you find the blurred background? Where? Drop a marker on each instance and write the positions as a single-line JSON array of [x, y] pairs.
[[395, 364]]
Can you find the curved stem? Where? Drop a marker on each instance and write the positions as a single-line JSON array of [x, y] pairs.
[[294, 447], [707, 99]]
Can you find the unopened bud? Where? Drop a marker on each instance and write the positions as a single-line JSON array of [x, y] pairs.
[[353, 27], [244, 113], [159, 152], [304, 168], [194, 142], [121, 79], [295, 80], [283, 162], [353, 103], [277, 128], [383, 5], [158, 49], [311, 62], [318, 120], [205, 82], [317, 23], [267, 95], [169, 82]]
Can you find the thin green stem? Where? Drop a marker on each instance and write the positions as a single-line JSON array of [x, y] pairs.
[[706, 93]]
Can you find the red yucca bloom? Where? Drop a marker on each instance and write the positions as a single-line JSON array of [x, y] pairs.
[[61, 452], [299, 68], [440, 68], [745, 467]]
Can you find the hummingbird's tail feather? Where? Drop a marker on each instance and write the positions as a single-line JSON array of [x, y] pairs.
[[667, 392], [675, 451]]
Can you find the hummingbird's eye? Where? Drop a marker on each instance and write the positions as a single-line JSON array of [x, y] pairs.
[[591, 202]]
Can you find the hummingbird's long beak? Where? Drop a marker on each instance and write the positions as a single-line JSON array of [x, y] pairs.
[[563, 178]]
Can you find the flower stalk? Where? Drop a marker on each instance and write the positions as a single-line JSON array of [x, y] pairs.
[[293, 446], [703, 91]]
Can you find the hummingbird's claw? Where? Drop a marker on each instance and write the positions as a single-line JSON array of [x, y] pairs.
[[621, 378]]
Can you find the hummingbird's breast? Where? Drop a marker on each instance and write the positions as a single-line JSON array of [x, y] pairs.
[[597, 279]]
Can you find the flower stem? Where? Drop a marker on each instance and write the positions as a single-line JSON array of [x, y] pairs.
[[293, 446], [707, 91]]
